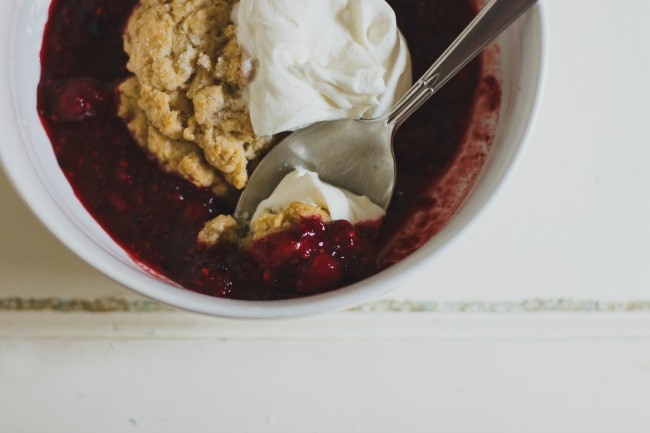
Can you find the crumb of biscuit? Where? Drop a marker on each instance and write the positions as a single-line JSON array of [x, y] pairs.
[[194, 168], [271, 222], [220, 229], [225, 229], [185, 103]]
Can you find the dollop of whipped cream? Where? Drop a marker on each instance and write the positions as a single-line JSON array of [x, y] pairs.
[[321, 60], [305, 186]]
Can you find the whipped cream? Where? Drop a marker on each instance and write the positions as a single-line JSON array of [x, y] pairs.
[[305, 186], [321, 60]]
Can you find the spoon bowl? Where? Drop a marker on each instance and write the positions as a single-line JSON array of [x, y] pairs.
[[357, 154], [354, 154]]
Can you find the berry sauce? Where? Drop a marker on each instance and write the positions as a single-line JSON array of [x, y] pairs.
[[314, 256], [155, 216]]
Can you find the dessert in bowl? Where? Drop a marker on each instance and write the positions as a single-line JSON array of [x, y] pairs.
[[91, 165]]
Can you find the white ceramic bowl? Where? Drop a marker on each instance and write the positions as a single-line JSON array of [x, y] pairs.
[[30, 164]]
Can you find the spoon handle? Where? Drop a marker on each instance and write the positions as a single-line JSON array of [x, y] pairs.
[[490, 21]]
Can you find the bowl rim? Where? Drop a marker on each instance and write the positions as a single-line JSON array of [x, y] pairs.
[[15, 159]]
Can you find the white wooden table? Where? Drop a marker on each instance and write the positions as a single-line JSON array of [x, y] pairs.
[[536, 319]]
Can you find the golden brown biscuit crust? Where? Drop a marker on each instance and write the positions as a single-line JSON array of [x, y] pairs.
[[185, 103]]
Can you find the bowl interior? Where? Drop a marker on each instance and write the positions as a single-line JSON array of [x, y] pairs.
[[31, 165]]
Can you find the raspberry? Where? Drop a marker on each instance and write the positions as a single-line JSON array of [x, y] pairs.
[[321, 273], [78, 99], [313, 256]]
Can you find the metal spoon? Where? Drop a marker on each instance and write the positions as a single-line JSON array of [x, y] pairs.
[[357, 155]]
